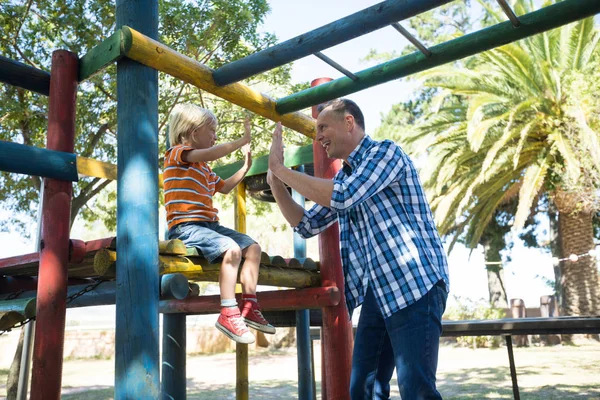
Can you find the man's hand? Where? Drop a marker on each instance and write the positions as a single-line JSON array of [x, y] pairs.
[[276, 155], [247, 133], [247, 156]]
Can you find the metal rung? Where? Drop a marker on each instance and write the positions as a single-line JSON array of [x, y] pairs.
[[412, 39], [509, 13], [336, 65]]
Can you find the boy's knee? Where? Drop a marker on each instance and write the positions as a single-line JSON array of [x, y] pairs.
[[234, 252], [255, 249]]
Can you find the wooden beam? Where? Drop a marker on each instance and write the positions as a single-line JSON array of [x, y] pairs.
[[342, 30], [107, 52], [16, 158], [24, 76], [547, 18], [293, 157], [198, 269], [275, 300], [154, 54]]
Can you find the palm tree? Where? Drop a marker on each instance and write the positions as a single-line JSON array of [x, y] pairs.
[[513, 124]]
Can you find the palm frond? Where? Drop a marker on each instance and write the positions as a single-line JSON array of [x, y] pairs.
[[532, 183]]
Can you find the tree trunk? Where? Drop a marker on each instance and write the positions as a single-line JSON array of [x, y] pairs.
[[579, 279], [495, 274], [12, 382]]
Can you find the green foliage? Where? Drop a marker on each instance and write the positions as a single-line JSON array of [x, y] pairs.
[[506, 126], [214, 33], [467, 310]]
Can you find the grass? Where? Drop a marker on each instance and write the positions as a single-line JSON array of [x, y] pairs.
[[544, 373]]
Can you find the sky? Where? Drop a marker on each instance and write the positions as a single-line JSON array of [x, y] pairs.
[[524, 275]]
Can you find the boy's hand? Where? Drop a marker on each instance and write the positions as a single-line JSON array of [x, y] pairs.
[[247, 156], [276, 154], [247, 133]]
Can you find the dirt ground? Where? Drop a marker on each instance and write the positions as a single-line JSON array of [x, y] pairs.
[[544, 373]]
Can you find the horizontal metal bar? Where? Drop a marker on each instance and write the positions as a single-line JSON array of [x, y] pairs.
[[412, 39], [24, 76], [509, 13], [342, 30], [22, 159], [547, 18], [510, 326], [335, 65]]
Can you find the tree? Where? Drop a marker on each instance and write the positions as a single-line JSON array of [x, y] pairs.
[[213, 33], [520, 121]]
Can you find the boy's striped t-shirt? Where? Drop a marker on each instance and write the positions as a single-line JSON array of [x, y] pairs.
[[189, 189]]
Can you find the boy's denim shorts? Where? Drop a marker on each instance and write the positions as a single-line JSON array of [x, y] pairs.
[[210, 238]]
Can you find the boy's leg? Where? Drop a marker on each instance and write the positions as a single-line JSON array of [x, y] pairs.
[[249, 276], [372, 359], [415, 336]]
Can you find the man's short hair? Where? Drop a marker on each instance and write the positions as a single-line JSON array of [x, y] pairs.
[[342, 106]]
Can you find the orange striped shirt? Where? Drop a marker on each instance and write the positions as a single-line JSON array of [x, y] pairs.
[[189, 189]]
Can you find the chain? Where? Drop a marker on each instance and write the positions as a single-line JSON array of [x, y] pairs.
[[85, 290], [70, 298]]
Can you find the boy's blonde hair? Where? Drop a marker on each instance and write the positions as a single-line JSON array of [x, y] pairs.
[[185, 118]]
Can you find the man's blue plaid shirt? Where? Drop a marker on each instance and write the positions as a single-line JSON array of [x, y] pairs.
[[388, 237]]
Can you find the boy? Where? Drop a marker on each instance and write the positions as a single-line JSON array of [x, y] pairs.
[[189, 186]]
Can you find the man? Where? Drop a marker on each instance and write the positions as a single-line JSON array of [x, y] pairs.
[[392, 256]]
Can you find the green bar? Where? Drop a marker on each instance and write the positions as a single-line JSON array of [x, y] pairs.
[[100, 56], [25, 307], [538, 21], [293, 158]]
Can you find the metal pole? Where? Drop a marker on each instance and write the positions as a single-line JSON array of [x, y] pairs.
[[513, 369], [23, 385], [306, 389], [173, 364]]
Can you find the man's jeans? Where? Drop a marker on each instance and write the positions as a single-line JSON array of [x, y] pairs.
[[407, 341]]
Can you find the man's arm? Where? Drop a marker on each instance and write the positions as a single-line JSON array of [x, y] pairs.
[[291, 210], [316, 189]]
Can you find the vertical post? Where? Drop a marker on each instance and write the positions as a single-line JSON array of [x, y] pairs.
[[241, 350], [303, 344], [24, 368], [513, 369], [56, 220], [337, 328], [518, 310], [136, 335], [173, 364]]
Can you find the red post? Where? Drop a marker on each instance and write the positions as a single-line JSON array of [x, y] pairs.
[[54, 253], [336, 345]]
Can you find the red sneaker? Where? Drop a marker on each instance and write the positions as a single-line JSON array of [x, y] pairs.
[[254, 318], [230, 322]]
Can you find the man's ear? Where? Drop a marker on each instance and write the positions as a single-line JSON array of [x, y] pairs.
[[349, 120]]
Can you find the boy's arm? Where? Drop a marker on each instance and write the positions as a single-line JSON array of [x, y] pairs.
[[213, 153], [236, 178], [216, 152]]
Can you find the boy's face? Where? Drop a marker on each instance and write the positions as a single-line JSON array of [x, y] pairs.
[[203, 137]]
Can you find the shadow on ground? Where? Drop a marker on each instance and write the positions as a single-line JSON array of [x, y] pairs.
[[466, 384]]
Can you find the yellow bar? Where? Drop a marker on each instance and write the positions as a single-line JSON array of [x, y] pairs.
[[162, 58], [101, 169], [241, 350]]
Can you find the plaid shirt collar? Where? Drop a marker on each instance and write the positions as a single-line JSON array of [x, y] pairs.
[[357, 154]]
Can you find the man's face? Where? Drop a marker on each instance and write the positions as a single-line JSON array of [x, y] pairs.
[[332, 130]]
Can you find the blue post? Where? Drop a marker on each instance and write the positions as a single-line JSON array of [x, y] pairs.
[[306, 389], [137, 337], [173, 363]]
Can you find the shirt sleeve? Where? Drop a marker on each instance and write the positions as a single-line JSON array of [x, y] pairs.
[[177, 153], [216, 179], [314, 221], [382, 165]]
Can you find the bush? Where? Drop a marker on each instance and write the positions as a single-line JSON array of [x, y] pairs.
[[466, 309]]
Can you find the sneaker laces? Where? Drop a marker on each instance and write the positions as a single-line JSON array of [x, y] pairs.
[[260, 317], [238, 322]]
